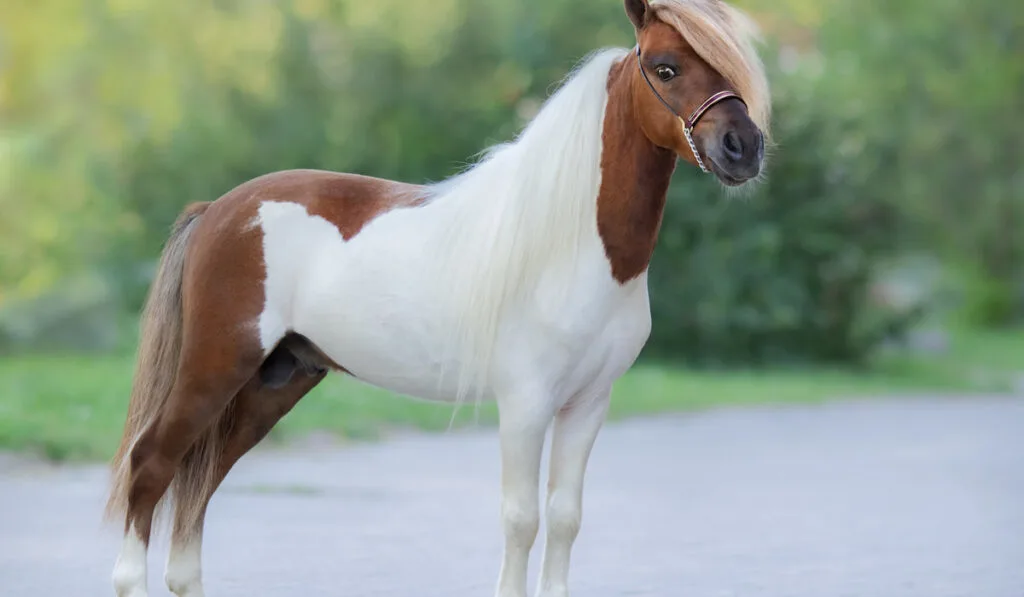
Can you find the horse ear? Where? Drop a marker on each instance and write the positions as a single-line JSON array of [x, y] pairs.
[[637, 11]]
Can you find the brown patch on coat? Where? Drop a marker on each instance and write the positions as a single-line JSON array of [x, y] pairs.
[[635, 174], [349, 201]]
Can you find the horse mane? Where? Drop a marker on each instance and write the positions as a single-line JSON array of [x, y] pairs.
[[724, 37], [522, 212]]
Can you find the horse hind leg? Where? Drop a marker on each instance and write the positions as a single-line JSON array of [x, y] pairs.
[[290, 371], [198, 349], [180, 444], [155, 459]]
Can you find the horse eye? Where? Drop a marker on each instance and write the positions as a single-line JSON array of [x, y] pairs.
[[665, 72]]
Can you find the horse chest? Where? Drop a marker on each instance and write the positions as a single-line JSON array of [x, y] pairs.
[[585, 341]]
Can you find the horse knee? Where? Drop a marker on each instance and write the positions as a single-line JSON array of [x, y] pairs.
[[521, 520], [564, 516]]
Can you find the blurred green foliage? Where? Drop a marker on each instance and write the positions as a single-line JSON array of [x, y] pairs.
[[785, 274], [938, 86], [898, 131]]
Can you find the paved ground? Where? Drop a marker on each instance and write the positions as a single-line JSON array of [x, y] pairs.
[[870, 499]]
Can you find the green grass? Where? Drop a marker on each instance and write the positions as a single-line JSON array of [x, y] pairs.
[[72, 407]]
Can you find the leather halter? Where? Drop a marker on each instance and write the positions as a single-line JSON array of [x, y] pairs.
[[688, 123]]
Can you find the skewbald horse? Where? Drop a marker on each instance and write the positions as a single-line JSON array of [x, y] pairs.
[[521, 280]]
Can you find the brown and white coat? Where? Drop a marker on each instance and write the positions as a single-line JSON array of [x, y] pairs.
[[522, 280]]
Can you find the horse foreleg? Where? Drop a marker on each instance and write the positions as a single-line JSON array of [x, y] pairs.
[[252, 414], [523, 423], [576, 428]]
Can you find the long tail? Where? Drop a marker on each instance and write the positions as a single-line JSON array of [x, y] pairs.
[[159, 348]]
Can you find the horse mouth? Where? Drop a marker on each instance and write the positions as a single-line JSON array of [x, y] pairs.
[[725, 177]]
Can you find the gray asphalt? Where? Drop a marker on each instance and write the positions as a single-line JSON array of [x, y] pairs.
[[878, 498]]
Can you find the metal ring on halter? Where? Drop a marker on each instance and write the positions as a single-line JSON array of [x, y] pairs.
[[688, 123]]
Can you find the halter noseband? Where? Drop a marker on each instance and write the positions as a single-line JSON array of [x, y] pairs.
[[688, 123]]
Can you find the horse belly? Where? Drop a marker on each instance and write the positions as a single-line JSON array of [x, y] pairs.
[[383, 336]]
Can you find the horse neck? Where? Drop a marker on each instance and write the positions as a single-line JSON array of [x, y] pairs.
[[635, 175]]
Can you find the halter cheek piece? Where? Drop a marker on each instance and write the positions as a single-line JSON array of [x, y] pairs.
[[688, 123]]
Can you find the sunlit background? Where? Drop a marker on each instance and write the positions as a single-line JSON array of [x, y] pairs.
[[884, 252]]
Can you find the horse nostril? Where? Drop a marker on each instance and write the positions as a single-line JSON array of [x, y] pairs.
[[733, 146]]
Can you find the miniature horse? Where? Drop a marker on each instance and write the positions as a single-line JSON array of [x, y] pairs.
[[522, 280]]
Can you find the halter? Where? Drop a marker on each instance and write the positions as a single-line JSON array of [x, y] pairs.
[[688, 123]]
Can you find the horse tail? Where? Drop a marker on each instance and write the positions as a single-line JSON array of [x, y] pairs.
[[158, 354]]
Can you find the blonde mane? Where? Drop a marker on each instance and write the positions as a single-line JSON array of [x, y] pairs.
[[521, 212], [724, 37]]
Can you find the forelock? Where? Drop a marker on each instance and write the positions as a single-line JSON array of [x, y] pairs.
[[725, 38]]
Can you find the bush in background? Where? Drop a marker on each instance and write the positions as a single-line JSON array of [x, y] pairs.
[[784, 274], [940, 85]]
